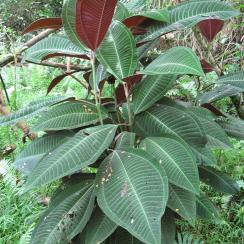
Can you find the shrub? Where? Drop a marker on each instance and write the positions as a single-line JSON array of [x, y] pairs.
[[132, 163]]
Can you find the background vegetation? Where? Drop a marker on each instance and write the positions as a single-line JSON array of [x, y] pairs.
[[19, 214]]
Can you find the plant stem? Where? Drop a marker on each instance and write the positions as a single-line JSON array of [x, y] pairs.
[[98, 105], [128, 104]]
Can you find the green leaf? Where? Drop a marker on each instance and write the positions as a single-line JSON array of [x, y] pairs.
[[69, 22], [150, 90], [78, 152], [234, 127], [99, 228], [35, 151], [131, 196], [117, 52], [216, 136], [176, 159], [157, 14], [162, 119], [188, 14], [175, 61], [183, 203], [30, 110], [168, 227], [69, 115], [125, 140], [218, 180], [121, 12], [235, 79], [206, 209], [67, 215], [218, 93], [204, 155], [52, 45]]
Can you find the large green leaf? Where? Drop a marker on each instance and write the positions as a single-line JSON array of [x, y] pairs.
[[218, 180], [204, 155], [176, 159], [52, 45], [163, 119], [30, 110], [234, 127], [216, 136], [183, 203], [218, 93], [176, 61], [117, 52], [234, 79], [188, 14], [125, 140], [69, 22], [67, 216], [206, 209], [168, 227], [35, 151], [69, 115], [78, 152], [99, 228], [133, 192], [150, 90]]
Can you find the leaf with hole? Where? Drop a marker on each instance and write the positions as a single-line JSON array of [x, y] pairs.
[[34, 152], [67, 215], [131, 196], [83, 149]]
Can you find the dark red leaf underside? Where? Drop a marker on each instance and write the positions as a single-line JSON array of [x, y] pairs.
[[54, 55], [210, 28], [57, 80], [93, 18], [206, 66], [213, 109], [134, 21], [86, 76], [130, 81], [47, 23]]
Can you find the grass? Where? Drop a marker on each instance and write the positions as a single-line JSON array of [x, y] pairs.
[[19, 214]]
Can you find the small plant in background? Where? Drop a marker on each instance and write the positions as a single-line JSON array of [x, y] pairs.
[[131, 162]]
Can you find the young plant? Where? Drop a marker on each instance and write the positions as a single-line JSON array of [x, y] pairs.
[[130, 164]]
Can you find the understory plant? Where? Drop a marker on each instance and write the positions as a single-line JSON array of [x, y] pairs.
[[131, 163]]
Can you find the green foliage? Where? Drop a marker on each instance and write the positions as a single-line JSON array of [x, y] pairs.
[[146, 154]]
